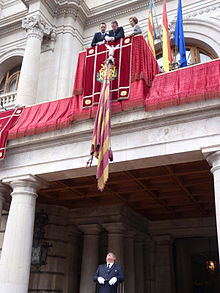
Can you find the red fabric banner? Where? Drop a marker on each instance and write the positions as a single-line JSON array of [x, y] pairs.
[[143, 69], [44, 117], [186, 85], [7, 120], [94, 69]]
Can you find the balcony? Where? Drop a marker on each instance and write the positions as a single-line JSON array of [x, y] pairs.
[[8, 100]]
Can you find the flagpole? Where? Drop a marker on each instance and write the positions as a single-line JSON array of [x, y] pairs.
[[155, 15]]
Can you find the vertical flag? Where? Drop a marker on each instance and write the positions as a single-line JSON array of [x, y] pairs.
[[179, 36], [151, 35], [100, 141], [167, 57]]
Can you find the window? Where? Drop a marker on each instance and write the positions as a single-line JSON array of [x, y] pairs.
[[194, 55], [9, 81]]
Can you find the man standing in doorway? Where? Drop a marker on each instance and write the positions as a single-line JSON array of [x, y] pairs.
[[99, 37], [109, 275]]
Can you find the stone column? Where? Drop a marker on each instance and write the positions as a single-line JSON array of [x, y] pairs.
[[4, 191], [36, 27], [184, 267], [17, 246], [214, 161], [71, 47], [90, 257], [129, 262], [1, 6], [149, 263], [164, 264], [72, 275], [116, 240], [139, 264]]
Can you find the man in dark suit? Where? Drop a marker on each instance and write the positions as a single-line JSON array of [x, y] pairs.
[[109, 275], [99, 38], [116, 33]]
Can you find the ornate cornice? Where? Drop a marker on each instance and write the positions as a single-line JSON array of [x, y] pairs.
[[36, 27], [204, 10], [11, 23]]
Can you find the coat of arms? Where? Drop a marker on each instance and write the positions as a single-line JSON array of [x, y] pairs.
[[112, 73]]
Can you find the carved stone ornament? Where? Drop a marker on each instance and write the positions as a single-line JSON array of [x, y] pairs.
[[36, 26]]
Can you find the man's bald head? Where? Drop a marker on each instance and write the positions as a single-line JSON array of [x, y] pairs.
[[111, 257]]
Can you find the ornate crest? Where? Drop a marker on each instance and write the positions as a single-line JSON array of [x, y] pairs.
[[101, 73]]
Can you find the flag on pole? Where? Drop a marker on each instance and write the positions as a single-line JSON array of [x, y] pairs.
[[167, 56], [101, 134], [179, 36], [151, 35]]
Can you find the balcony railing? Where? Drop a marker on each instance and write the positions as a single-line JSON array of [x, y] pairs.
[[8, 100]]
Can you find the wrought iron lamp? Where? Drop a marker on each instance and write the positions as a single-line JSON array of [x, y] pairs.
[[40, 246], [211, 266]]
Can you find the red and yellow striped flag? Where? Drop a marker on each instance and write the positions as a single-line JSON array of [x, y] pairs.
[[100, 140], [150, 34], [167, 56]]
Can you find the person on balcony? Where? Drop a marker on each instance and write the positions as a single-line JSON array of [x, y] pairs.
[[116, 33], [99, 37], [136, 28], [109, 275]]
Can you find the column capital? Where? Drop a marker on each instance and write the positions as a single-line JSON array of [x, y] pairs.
[[140, 237], [163, 239], [90, 229], [214, 160], [130, 234], [25, 181], [115, 228], [36, 26]]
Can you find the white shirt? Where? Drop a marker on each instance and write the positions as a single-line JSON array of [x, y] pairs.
[[109, 265]]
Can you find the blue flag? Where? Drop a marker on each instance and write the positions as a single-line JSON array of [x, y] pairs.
[[179, 36]]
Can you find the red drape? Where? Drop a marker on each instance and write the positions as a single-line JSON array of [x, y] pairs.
[[93, 72], [143, 69], [187, 85], [191, 84], [44, 117], [7, 120]]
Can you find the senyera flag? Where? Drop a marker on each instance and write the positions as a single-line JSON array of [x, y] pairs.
[[167, 56], [151, 31], [101, 134]]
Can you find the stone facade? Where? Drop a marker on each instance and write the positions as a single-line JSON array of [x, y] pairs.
[[46, 37]]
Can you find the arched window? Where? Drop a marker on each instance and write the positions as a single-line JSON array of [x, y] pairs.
[[194, 55], [9, 81]]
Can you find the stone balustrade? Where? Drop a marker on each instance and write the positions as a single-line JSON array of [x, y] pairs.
[[8, 100]]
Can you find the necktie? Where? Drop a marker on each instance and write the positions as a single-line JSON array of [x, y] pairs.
[[108, 266]]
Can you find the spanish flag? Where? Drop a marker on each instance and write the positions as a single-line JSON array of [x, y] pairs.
[[101, 134], [167, 57], [151, 32]]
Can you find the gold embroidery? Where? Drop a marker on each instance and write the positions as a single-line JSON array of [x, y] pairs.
[[91, 51], [126, 41], [88, 102], [123, 93]]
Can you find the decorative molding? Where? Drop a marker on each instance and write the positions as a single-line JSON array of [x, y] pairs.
[[48, 43], [204, 10], [36, 27], [11, 23]]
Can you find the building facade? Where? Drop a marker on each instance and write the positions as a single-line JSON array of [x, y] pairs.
[[160, 212]]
